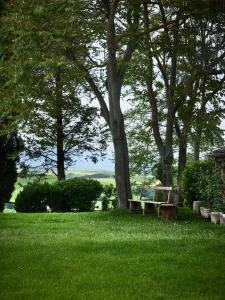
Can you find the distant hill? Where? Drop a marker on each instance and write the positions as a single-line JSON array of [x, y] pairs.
[[89, 174], [97, 175]]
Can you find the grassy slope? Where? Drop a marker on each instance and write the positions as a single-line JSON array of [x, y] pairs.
[[112, 255]]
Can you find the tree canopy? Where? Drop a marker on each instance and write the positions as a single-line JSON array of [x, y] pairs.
[[168, 56]]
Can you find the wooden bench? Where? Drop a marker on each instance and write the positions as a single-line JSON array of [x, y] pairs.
[[165, 209], [135, 205], [154, 205], [168, 211]]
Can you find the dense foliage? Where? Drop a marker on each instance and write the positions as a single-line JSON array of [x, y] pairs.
[[202, 182], [10, 145], [33, 198], [61, 129], [109, 194], [77, 194]]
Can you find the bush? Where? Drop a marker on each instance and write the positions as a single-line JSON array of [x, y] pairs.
[[73, 194], [109, 194], [33, 198], [59, 200], [10, 146], [202, 182], [105, 203], [78, 194]]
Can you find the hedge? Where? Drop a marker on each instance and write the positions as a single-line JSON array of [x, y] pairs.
[[201, 181], [77, 194], [33, 198]]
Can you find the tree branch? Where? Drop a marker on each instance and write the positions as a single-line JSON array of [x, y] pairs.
[[93, 86], [149, 82]]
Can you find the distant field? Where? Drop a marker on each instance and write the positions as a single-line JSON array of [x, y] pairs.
[[104, 176]]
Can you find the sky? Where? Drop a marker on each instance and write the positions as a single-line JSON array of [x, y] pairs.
[[106, 164]]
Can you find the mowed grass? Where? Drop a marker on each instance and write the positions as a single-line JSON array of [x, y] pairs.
[[110, 255]]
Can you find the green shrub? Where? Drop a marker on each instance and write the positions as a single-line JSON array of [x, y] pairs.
[[108, 195], [105, 202], [78, 194], [33, 198], [58, 200], [202, 182], [111, 195], [109, 190], [73, 194], [10, 146]]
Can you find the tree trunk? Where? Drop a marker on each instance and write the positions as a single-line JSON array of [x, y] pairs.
[[60, 150], [167, 163], [59, 129], [196, 149], [181, 165], [115, 120], [181, 160], [115, 77], [167, 158], [117, 127], [122, 175]]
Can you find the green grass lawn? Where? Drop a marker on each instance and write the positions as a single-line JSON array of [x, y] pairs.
[[110, 255]]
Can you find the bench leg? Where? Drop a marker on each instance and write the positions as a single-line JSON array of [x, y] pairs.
[[149, 208], [135, 207], [168, 212]]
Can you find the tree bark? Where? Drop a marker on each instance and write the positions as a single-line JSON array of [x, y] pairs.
[[122, 175], [182, 160], [60, 150], [167, 167], [168, 142], [197, 140], [196, 149], [118, 133], [182, 135], [59, 129], [202, 111]]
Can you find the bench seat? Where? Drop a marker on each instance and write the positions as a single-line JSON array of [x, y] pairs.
[[135, 205]]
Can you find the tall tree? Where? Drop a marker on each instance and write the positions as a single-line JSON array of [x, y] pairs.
[[121, 24], [202, 104], [10, 144], [174, 72], [162, 53], [59, 128]]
